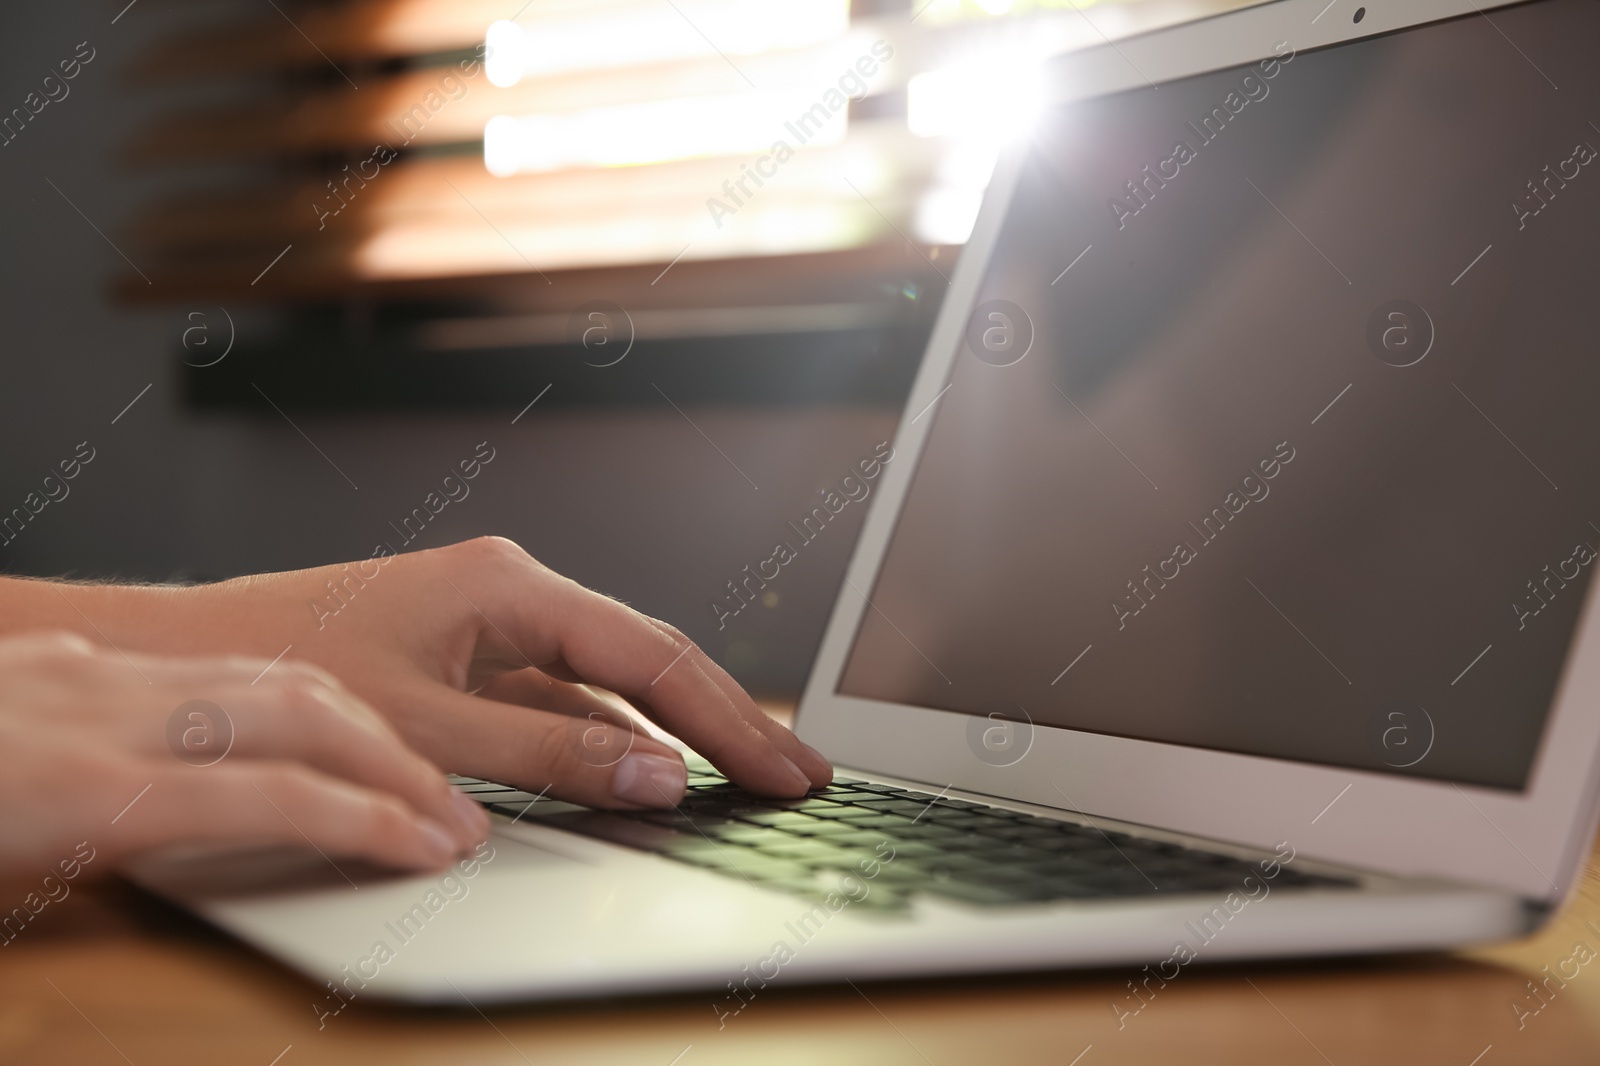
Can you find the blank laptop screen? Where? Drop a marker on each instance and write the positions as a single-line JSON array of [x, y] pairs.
[[1276, 427]]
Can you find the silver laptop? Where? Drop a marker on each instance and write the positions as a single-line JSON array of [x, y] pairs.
[[1225, 596]]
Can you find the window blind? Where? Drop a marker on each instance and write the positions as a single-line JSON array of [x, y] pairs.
[[358, 148]]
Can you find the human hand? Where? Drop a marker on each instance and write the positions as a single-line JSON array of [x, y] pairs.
[[478, 655], [85, 757]]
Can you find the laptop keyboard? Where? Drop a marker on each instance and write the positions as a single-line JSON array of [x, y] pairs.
[[899, 842]]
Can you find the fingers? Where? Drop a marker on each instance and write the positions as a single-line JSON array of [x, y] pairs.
[[575, 632], [811, 762], [298, 712], [568, 629], [582, 760], [282, 803], [304, 715], [291, 758], [673, 681]]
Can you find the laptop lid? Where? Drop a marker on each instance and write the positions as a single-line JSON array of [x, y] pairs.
[[1249, 485]]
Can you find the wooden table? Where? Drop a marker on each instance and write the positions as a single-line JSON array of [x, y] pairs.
[[108, 976]]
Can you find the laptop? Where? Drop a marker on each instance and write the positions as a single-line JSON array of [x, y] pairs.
[[1225, 595]]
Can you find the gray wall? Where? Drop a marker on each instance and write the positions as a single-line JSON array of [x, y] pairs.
[[636, 504]]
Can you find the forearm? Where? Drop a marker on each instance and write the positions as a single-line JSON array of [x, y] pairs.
[[141, 617]]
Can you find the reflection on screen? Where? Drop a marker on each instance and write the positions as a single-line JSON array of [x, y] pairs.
[[1274, 428]]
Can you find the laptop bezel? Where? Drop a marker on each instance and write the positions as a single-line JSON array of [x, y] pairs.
[[1530, 843]]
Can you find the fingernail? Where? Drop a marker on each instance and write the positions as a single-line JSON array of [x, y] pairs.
[[470, 815], [800, 777], [821, 758], [649, 780], [441, 845]]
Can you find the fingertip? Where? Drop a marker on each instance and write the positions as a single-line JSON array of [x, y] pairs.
[[438, 846], [816, 765], [473, 821], [650, 779], [800, 780]]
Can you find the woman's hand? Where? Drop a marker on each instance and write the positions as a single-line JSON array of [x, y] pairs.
[[479, 656], [100, 749]]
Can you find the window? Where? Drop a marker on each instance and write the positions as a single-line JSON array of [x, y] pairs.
[[464, 175]]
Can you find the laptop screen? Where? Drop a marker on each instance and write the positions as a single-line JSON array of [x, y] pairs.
[[1276, 426]]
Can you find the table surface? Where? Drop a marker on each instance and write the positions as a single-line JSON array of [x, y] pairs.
[[110, 976]]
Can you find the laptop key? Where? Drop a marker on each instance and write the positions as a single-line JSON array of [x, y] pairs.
[[1000, 854], [1194, 882], [812, 805], [929, 868], [748, 835], [925, 830], [964, 843], [1071, 845], [838, 812], [873, 819], [691, 804], [960, 819], [857, 836], [915, 849], [902, 804], [833, 831], [1026, 833], [802, 850], [708, 856], [835, 790], [764, 870], [777, 819], [676, 819]]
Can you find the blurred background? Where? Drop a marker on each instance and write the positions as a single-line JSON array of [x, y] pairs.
[[283, 265]]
